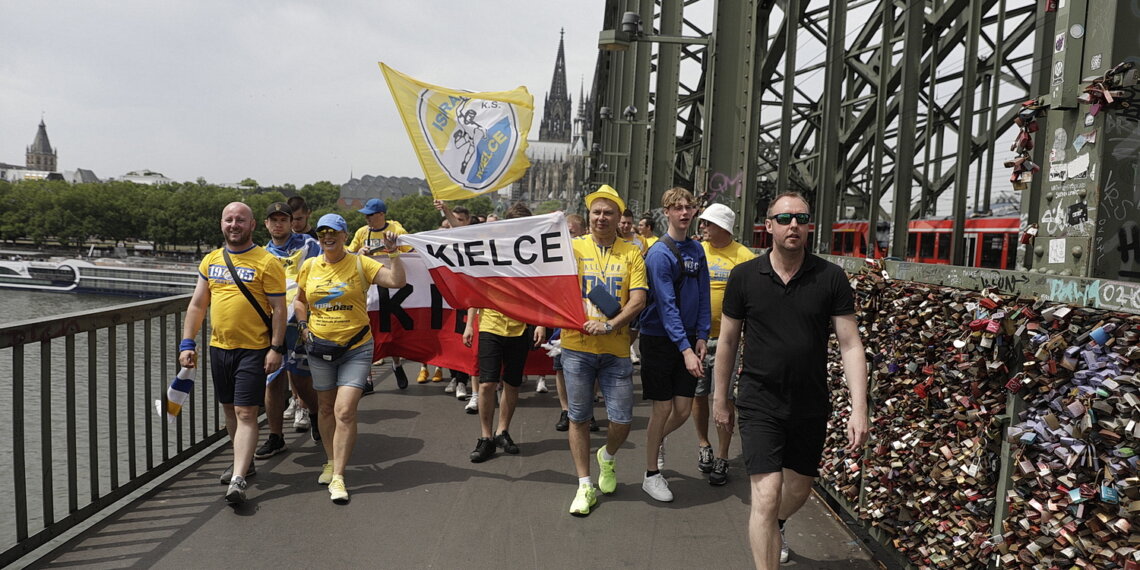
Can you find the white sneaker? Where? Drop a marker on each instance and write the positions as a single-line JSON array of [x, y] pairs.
[[472, 406], [289, 411], [785, 552], [658, 488], [541, 387], [450, 387], [301, 420], [460, 390]]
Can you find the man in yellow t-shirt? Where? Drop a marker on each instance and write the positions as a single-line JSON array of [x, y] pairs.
[[723, 253], [645, 230], [611, 272], [243, 350], [369, 239]]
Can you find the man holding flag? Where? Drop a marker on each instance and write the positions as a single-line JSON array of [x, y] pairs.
[[613, 287]]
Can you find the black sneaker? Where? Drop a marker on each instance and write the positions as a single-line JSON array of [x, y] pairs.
[[401, 378], [229, 473], [369, 387], [593, 424], [503, 441], [563, 421], [484, 450], [235, 495], [705, 459], [272, 446], [314, 428], [719, 475]]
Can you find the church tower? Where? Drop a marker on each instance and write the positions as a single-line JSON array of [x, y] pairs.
[[40, 155], [556, 118]]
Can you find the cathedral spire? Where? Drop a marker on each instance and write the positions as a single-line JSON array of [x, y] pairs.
[[40, 155], [556, 118]]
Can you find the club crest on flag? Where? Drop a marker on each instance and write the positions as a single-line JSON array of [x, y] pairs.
[[467, 143]]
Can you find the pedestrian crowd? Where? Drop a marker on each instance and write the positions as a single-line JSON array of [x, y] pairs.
[[296, 311]]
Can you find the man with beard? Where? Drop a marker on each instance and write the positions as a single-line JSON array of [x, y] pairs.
[[243, 349], [791, 300]]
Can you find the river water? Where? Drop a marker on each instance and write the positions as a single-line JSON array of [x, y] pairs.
[[17, 306]]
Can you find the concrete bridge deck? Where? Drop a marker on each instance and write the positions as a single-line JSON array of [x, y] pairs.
[[417, 502]]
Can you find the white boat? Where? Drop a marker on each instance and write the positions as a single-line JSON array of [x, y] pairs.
[[81, 276]]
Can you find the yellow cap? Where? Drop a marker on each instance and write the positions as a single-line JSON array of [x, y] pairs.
[[605, 191]]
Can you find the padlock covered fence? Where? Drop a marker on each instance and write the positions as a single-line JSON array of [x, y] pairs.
[[1005, 415]]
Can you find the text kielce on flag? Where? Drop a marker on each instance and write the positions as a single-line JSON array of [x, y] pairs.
[[523, 268], [467, 143], [415, 322]]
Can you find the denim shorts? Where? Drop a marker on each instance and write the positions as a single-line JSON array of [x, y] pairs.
[[707, 385], [351, 369], [615, 376]]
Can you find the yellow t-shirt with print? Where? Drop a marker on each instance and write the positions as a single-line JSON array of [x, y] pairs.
[[721, 261], [337, 298], [374, 239], [649, 241], [620, 269], [234, 323], [494, 322]]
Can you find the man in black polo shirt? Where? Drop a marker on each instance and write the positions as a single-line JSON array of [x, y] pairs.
[[791, 300]]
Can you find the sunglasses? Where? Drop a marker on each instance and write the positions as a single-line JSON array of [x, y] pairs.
[[785, 219], [323, 233]]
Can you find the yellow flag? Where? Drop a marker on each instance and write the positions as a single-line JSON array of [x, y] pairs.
[[467, 143]]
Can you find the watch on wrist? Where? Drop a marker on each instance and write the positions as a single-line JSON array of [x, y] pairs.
[[278, 348], [609, 327]]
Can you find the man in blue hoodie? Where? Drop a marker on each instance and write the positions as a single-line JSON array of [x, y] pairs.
[[674, 332]]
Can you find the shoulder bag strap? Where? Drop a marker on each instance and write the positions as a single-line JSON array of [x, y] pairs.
[[672, 245], [244, 291]]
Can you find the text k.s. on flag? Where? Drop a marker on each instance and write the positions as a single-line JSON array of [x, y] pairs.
[[523, 268], [467, 143]]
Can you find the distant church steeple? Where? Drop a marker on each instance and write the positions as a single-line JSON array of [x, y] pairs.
[[40, 155], [556, 112]]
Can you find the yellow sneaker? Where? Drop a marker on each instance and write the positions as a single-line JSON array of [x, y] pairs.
[[326, 474], [585, 498], [607, 480], [438, 376], [422, 377], [337, 492]]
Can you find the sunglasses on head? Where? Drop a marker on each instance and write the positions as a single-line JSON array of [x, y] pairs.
[[785, 219]]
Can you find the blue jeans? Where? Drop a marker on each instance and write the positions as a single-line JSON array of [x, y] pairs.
[[351, 369], [615, 376]]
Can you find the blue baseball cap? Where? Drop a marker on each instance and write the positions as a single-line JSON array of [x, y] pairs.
[[374, 206], [332, 222]]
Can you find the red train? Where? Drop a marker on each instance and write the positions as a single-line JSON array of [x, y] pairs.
[[990, 242]]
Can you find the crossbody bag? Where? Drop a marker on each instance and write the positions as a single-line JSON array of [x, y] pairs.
[[327, 350]]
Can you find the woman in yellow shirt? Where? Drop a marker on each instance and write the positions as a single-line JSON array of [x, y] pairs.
[[331, 306]]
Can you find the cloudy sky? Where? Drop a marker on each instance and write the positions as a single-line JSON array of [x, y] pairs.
[[280, 91]]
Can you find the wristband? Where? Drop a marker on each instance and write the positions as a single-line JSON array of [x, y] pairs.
[[187, 344]]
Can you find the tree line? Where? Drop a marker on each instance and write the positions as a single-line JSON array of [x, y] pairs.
[[174, 216]]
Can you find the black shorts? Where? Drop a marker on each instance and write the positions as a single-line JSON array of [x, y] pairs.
[[239, 375], [663, 372], [503, 357], [771, 444]]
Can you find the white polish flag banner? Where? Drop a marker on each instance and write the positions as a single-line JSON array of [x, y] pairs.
[[524, 268]]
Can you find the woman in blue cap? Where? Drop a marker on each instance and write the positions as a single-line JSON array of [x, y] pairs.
[[332, 310]]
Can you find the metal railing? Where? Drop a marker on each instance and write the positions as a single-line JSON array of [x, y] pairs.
[[92, 415]]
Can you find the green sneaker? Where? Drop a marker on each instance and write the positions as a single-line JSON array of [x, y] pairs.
[[607, 481], [326, 474], [583, 500], [337, 491]]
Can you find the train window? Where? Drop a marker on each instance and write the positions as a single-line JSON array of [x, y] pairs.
[[926, 247], [1010, 251], [992, 250], [911, 245], [944, 246]]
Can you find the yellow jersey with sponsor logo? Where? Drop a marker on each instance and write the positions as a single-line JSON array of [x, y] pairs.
[[374, 239], [234, 323], [721, 261], [337, 297], [619, 269], [494, 322]]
